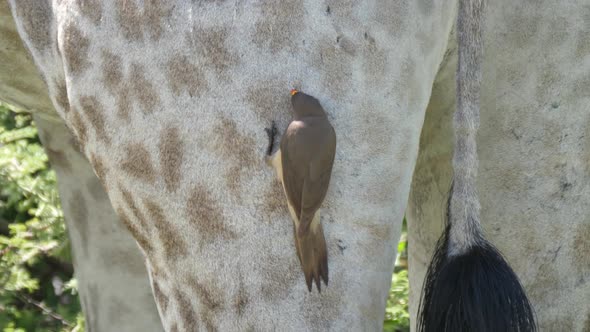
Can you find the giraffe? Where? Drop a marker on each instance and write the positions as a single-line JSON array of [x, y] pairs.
[[107, 263], [168, 102], [534, 157]]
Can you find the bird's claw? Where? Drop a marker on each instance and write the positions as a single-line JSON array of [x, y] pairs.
[[271, 132]]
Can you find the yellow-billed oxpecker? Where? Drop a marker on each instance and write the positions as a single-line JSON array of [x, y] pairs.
[[304, 165]]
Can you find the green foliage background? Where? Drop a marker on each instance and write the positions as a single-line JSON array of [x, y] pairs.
[[37, 289], [37, 292]]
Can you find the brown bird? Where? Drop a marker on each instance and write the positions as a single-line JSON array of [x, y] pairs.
[[304, 165]]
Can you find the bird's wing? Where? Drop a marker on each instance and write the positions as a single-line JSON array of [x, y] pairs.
[[307, 158], [315, 184], [294, 164]]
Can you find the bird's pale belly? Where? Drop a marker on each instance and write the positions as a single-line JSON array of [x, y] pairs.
[[276, 162]]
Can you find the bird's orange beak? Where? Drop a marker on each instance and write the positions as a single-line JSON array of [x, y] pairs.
[[293, 92]]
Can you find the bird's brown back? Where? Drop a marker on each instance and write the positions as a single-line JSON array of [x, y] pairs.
[[307, 150]]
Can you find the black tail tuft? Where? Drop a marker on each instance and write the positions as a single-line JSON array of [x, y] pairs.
[[474, 291]]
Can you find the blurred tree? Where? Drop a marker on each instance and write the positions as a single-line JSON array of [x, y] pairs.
[[397, 316], [37, 292]]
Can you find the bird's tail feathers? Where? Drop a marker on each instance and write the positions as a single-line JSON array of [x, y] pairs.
[[312, 253]]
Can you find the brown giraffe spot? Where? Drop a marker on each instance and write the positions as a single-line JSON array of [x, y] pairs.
[[544, 283], [269, 100], [36, 18], [143, 89], [174, 327], [161, 298], [233, 180], [61, 96], [75, 144], [138, 162], [58, 159], [135, 86], [188, 316], [137, 213], [206, 216], [154, 12], [241, 300], [174, 245], [393, 16], [171, 154], [239, 148], [124, 103], [274, 201], [79, 213], [112, 71], [210, 44], [100, 169], [380, 130], [559, 32], [185, 76], [133, 21], [208, 321], [91, 9], [548, 78], [380, 233], [277, 22], [79, 129], [75, 49], [142, 240], [209, 296], [94, 112], [130, 19], [347, 45]]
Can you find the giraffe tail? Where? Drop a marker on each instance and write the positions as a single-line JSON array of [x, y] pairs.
[[469, 286], [313, 255]]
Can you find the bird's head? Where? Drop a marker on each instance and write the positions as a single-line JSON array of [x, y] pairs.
[[305, 105]]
